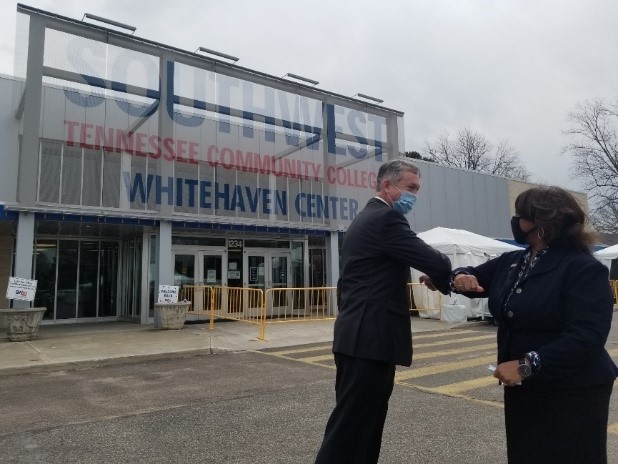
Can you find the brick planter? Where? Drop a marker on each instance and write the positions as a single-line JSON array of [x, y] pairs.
[[21, 324]]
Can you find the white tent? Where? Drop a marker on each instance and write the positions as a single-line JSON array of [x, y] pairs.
[[606, 255], [463, 249]]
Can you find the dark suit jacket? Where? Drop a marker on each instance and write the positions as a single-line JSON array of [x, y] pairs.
[[562, 310], [374, 315]]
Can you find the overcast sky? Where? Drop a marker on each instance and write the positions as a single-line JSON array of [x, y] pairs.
[[509, 69]]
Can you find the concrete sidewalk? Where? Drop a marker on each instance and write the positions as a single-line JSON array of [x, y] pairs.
[[59, 347]]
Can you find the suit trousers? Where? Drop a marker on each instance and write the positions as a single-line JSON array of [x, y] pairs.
[[557, 426], [354, 430]]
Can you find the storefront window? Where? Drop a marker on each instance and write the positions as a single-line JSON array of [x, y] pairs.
[[108, 273], [317, 261], [76, 279], [317, 267], [45, 259], [153, 274], [66, 297], [88, 272], [298, 271]]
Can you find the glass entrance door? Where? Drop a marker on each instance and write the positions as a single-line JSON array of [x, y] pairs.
[[279, 270], [200, 268], [268, 269], [184, 269], [212, 268], [212, 274], [256, 273]]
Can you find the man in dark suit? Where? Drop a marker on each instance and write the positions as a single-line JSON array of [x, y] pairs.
[[372, 330]]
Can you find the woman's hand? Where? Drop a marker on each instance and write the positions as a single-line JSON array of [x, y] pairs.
[[467, 283], [508, 373]]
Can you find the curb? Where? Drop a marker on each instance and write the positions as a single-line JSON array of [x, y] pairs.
[[45, 366], [115, 361]]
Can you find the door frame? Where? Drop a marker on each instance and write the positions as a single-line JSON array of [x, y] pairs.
[[198, 254], [267, 253]]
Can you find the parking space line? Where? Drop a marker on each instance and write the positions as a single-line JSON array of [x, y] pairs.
[[466, 385], [304, 350], [414, 373], [455, 340], [423, 335], [315, 359], [494, 403], [455, 351]]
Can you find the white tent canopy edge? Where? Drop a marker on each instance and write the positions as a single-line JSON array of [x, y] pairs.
[[606, 255], [463, 248]]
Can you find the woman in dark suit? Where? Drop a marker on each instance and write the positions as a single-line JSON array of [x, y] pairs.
[[554, 307]]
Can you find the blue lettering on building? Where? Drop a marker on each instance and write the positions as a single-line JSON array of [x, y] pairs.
[[193, 193], [297, 134]]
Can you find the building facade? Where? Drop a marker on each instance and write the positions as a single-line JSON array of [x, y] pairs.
[[128, 164]]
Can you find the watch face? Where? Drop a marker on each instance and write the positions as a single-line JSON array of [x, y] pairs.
[[524, 370]]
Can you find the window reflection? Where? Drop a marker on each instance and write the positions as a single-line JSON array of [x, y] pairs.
[[76, 279], [45, 258], [88, 269]]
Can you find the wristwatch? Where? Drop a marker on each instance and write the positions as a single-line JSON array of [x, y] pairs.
[[524, 368]]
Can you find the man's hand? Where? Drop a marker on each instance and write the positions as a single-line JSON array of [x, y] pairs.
[[467, 283], [428, 283]]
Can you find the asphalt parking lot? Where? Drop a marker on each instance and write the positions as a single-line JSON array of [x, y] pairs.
[[264, 403], [243, 407]]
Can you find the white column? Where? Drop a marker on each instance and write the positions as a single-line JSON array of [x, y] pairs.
[[29, 156], [145, 295], [332, 258], [24, 251], [164, 250], [166, 129]]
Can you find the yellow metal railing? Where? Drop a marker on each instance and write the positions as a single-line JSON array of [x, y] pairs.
[[201, 298], [236, 303], [424, 300], [294, 304], [614, 284], [258, 307]]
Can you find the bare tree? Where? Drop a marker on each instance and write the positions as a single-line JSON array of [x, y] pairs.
[[417, 155], [595, 159], [471, 150]]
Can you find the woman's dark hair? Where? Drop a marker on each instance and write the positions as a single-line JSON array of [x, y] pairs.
[[559, 218]]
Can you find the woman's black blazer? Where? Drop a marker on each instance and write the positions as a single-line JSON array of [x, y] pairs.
[[562, 310]]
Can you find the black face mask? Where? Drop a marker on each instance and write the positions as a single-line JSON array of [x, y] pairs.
[[519, 235]]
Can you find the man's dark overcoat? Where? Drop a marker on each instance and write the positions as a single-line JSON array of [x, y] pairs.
[[374, 313]]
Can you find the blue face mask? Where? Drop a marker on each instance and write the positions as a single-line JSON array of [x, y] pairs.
[[405, 203]]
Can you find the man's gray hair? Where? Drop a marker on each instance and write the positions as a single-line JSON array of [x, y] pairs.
[[392, 170]]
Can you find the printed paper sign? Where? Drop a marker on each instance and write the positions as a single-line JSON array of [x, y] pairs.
[[168, 294], [21, 289], [233, 275], [211, 276]]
